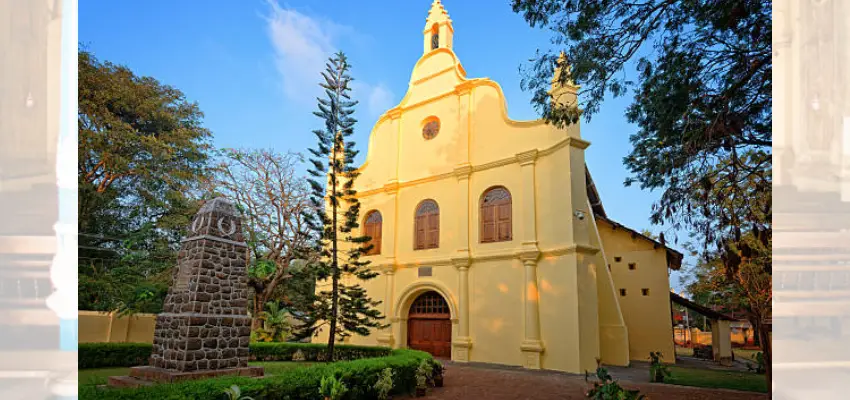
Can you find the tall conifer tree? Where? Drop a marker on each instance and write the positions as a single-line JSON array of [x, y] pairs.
[[346, 307]]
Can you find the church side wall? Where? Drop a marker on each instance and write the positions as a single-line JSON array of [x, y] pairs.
[[648, 316]]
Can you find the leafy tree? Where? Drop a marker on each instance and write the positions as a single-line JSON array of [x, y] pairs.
[[345, 307], [142, 156], [272, 199], [702, 104]]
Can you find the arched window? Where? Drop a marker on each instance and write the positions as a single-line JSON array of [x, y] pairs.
[[496, 216], [435, 38], [372, 228], [427, 226]]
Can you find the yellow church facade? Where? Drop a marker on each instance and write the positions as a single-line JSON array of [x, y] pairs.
[[490, 237]]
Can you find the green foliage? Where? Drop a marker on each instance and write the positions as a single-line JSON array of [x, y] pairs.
[[234, 393], [424, 373], [143, 154], [346, 308], [605, 388], [331, 388], [275, 324], [759, 366], [104, 355], [384, 385], [657, 370], [313, 351], [702, 100], [359, 376]]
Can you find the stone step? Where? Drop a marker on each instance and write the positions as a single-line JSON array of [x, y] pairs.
[[128, 382]]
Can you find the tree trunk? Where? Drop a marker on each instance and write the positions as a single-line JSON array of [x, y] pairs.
[[764, 339], [259, 307], [334, 262]]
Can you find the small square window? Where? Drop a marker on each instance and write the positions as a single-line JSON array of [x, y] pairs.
[[622, 292], [425, 271], [644, 291], [632, 266], [618, 259]]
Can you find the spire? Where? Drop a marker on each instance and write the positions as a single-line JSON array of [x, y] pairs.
[[564, 90], [436, 14], [438, 28]]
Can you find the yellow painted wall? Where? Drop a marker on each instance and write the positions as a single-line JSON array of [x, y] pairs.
[[552, 267], [96, 327], [648, 318]]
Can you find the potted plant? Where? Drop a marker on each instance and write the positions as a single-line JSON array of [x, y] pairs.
[[423, 377], [384, 385], [421, 384], [437, 371], [657, 370], [331, 389]]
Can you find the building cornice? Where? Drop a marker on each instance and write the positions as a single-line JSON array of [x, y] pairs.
[[530, 156]]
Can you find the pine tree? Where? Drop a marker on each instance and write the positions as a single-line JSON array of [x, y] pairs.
[[346, 307]]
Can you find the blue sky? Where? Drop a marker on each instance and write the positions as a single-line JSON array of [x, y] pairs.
[[253, 67]]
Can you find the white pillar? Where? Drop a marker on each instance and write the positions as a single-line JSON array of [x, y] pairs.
[[387, 338], [532, 345], [462, 343]]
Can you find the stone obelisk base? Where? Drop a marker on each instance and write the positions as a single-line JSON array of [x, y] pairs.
[[146, 376]]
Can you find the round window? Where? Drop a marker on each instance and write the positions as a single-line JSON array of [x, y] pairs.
[[431, 129]]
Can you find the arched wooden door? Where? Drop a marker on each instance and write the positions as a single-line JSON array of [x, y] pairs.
[[429, 325]]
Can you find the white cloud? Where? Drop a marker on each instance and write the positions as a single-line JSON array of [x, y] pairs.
[[302, 45], [374, 99]]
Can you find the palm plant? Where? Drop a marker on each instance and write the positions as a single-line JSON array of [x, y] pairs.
[[275, 321]]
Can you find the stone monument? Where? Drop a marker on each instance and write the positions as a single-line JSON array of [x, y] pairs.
[[204, 329]]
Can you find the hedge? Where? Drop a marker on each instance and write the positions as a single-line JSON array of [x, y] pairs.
[[106, 355], [313, 351], [296, 384]]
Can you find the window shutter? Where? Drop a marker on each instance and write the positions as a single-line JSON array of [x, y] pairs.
[[433, 231], [488, 223], [420, 233], [504, 221], [377, 238]]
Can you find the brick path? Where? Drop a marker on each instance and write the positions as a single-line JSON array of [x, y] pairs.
[[464, 381]]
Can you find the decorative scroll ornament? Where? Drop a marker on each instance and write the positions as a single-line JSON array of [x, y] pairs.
[[229, 231]]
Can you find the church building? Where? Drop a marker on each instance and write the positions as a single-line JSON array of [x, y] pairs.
[[491, 239]]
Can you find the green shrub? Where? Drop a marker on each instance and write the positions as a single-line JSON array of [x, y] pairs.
[[331, 388], [657, 370], [359, 376], [313, 351], [608, 389], [105, 355], [384, 385]]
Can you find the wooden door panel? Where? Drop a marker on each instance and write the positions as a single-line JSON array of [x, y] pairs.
[[433, 336]]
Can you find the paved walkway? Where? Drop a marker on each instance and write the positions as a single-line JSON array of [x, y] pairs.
[[476, 381]]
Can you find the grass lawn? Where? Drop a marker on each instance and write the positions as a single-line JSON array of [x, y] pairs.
[[707, 378], [740, 354], [100, 376]]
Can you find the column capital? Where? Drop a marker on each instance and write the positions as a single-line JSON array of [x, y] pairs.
[[464, 87], [387, 267], [461, 263], [462, 171], [528, 253], [394, 113], [391, 186], [527, 157]]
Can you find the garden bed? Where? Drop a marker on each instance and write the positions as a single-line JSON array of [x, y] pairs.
[[358, 370]]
